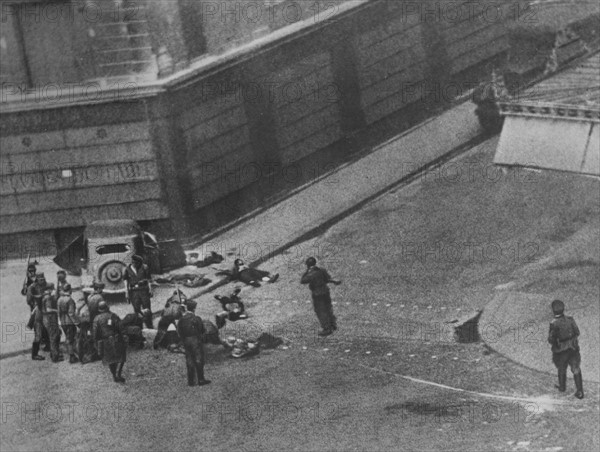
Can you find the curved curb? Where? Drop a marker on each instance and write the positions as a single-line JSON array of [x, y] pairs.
[[489, 318]]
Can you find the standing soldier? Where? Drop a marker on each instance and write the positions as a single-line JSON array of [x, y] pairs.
[[563, 336], [317, 280], [29, 280], [68, 319], [61, 280], [137, 277], [86, 313], [35, 294], [94, 300], [108, 333], [50, 321], [191, 331]]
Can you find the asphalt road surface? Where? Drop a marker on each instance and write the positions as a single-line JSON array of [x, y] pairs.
[[391, 378]]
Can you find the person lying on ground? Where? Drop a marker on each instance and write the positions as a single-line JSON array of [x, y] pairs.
[[251, 276], [233, 308]]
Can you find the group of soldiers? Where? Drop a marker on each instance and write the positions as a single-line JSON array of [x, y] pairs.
[[93, 331], [90, 330]]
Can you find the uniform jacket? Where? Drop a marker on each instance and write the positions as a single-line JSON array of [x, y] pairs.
[[191, 326], [106, 324], [49, 305], [60, 285], [67, 311], [49, 312], [139, 278], [35, 293], [30, 281], [317, 279], [93, 302], [563, 334]]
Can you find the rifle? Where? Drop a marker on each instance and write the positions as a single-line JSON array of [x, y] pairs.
[[127, 291], [24, 289]]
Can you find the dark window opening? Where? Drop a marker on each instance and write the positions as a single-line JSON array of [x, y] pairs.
[[114, 248]]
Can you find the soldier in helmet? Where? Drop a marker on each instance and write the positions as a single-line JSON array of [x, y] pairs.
[[35, 295], [137, 276], [29, 280], [191, 331], [317, 280], [94, 299], [86, 313], [61, 280], [563, 336], [50, 322], [108, 333], [68, 319]]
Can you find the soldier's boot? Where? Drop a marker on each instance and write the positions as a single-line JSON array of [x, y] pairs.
[[579, 385], [201, 380], [35, 348], [113, 371], [46, 340], [160, 335], [120, 378], [55, 354], [562, 382], [73, 359], [190, 376]]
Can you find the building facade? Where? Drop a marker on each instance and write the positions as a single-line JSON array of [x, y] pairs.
[[185, 115]]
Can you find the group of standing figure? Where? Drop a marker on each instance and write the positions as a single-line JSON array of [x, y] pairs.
[[92, 331]]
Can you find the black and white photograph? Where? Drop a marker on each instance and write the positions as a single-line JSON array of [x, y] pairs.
[[300, 225]]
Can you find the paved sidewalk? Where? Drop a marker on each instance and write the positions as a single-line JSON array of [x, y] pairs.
[[346, 190], [515, 324], [289, 222]]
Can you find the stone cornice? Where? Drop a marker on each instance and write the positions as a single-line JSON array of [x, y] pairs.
[[549, 110], [14, 98]]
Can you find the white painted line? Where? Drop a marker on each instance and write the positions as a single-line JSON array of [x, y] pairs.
[[544, 400]]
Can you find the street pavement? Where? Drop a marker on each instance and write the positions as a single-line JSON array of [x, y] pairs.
[[392, 376], [308, 212], [277, 228]]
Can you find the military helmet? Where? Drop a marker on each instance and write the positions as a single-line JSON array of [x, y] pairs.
[[102, 306], [558, 307], [311, 262], [238, 262], [137, 258], [191, 304]]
